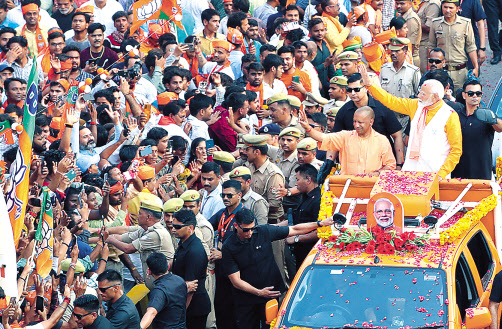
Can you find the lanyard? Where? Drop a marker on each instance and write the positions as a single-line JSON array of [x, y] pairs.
[[224, 224]]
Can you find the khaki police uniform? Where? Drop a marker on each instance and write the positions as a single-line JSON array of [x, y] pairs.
[[414, 32], [427, 11], [155, 239], [457, 40], [257, 204]]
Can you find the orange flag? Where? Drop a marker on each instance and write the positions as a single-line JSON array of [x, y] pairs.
[[144, 10]]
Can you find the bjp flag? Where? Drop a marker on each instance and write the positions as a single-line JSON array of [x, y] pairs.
[[8, 263], [144, 10], [44, 236], [17, 194]]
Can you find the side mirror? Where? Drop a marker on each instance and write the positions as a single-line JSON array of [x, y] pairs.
[[271, 310], [477, 317]]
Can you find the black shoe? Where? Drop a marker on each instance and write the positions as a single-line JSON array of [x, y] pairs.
[[495, 59]]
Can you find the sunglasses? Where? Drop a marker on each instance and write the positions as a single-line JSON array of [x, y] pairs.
[[357, 89], [179, 226], [80, 316], [227, 195], [247, 229], [435, 61], [315, 126], [106, 288], [472, 93]]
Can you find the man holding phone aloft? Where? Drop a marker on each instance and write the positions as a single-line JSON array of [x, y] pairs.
[[97, 55], [297, 82]]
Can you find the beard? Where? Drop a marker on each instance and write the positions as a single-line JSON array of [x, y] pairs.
[[39, 149], [64, 11], [425, 103], [90, 146]]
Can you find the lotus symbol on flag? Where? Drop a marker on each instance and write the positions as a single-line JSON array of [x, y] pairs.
[[144, 12], [18, 169]]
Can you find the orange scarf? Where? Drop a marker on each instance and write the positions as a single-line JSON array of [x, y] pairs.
[[335, 21], [194, 65], [258, 90], [41, 42], [422, 122], [224, 66]]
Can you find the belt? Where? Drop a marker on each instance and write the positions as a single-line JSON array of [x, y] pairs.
[[455, 68]]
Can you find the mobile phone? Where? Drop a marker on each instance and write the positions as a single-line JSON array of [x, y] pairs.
[[105, 178], [74, 241], [146, 151], [88, 97], [191, 47], [203, 87], [91, 62], [40, 303], [209, 143], [126, 130], [128, 175], [71, 174], [170, 146], [174, 160], [296, 78]]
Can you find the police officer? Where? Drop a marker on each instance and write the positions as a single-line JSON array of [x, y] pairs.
[[250, 199], [225, 160], [271, 130], [348, 65], [286, 158], [148, 237], [405, 8], [170, 207], [454, 34], [337, 93], [307, 149], [313, 103], [331, 116], [427, 11]]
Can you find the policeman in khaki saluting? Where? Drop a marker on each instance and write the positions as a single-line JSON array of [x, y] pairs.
[[454, 34]]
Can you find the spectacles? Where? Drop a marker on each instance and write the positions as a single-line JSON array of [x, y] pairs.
[[472, 93], [59, 44], [179, 226], [80, 316], [435, 61], [337, 5], [228, 195], [247, 229], [104, 289], [357, 89]]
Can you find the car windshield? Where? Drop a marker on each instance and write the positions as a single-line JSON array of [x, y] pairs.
[[329, 296]]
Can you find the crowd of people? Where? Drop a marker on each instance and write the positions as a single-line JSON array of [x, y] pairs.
[[191, 160]]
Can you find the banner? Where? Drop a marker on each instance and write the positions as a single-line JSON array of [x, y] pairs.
[[144, 10], [17, 195], [44, 236], [8, 264]]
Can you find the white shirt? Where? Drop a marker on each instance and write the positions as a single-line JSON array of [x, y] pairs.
[[277, 87], [362, 32], [209, 66], [199, 128], [16, 15], [145, 89], [211, 203], [223, 26], [104, 16]]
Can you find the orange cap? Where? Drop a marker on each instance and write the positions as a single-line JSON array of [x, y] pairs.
[[223, 44], [373, 53], [358, 11], [383, 38], [86, 9], [235, 36], [155, 30], [64, 83], [146, 172], [166, 97], [351, 44], [29, 7]]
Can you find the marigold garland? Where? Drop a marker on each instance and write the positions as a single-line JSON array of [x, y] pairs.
[[471, 218], [325, 211], [498, 168]]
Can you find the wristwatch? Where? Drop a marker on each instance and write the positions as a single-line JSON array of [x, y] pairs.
[[482, 48], [289, 193], [297, 239]]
